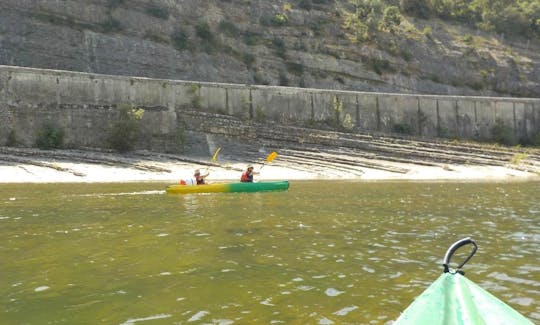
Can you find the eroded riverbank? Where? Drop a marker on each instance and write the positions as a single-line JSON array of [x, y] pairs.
[[25, 165]]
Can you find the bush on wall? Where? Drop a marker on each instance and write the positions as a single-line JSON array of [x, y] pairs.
[[125, 131], [536, 140], [50, 136], [503, 134], [11, 139]]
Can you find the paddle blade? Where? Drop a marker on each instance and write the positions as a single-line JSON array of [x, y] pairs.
[[271, 156], [214, 157]]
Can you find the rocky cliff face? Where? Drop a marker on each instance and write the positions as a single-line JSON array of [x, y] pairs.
[[262, 42]]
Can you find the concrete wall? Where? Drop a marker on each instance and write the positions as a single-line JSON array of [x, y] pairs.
[[86, 106]]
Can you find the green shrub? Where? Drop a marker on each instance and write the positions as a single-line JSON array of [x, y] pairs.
[[283, 79], [248, 59], [180, 139], [533, 141], [260, 79], [428, 32], [474, 84], [536, 140], [156, 10], [279, 20], [155, 37], [265, 20], [260, 114], [348, 123], [366, 19], [209, 43], [381, 66], [279, 48], [402, 128], [295, 68], [203, 31], [518, 158], [227, 49], [305, 4], [484, 73], [228, 28], [56, 19], [406, 55], [435, 78], [125, 131], [111, 25], [391, 19], [468, 39], [114, 3], [180, 39], [503, 134], [317, 28], [195, 97], [337, 106], [11, 140], [418, 8], [193, 89], [50, 136], [251, 38], [508, 17]]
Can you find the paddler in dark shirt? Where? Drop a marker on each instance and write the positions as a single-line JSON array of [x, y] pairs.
[[200, 178]]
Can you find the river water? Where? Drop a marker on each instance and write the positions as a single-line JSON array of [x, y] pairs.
[[319, 253]]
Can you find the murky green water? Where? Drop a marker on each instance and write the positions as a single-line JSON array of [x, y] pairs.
[[322, 252]]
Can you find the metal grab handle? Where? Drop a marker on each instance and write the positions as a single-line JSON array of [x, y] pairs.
[[453, 249]]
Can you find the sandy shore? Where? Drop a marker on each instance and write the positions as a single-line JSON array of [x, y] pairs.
[[75, 172]]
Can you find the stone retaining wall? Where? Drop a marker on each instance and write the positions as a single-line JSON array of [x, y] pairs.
[[85, 105]]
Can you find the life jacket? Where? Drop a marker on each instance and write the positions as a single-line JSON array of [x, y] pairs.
[[246, 178]]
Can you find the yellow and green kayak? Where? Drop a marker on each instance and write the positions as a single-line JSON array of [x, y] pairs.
[[229, 187]]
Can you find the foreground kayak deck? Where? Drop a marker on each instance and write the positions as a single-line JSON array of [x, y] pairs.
[[228, 187], [453, 299]]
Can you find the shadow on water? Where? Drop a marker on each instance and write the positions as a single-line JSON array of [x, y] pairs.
[[320, 253]]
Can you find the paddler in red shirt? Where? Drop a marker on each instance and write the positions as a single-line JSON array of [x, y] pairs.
[[247, 176]]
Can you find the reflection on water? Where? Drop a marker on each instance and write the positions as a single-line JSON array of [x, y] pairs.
[[320, 253]]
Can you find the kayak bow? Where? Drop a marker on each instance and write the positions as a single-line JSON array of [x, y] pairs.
[[454, 299]]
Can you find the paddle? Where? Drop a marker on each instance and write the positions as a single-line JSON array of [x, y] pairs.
[[214, 157], [269, 159]]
